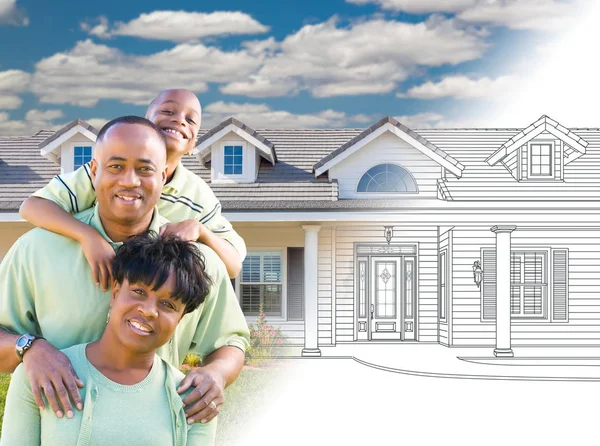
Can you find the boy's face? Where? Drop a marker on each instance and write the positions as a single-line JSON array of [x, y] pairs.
[[177, 113]]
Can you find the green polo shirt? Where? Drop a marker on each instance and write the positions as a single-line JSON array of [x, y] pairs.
[[185, 197], [46, 289]]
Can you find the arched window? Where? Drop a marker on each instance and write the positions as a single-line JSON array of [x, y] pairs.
[[387, 178]]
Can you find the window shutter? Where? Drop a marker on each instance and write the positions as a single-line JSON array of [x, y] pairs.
[[560, 291], [295, 286], [488, 291]]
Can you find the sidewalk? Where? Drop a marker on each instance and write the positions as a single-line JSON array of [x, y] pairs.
[[433, 360]]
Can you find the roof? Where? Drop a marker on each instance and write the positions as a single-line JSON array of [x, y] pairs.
[[65, 129], [22, 169], [574, 141], [291, 185], [265, 147], [446, 159]]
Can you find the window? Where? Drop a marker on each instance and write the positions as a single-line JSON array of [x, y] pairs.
[[387, 178], [81, 155], [443, 295], [531, 297], [528, 284], [540, 160], [233, 160], [261, 283]]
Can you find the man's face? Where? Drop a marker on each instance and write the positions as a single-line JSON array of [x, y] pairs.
[[128, 172], [177, 114]]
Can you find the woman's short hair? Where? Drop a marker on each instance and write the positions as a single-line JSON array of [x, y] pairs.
[[150, 259]]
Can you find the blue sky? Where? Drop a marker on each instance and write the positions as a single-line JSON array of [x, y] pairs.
[[309, 63]]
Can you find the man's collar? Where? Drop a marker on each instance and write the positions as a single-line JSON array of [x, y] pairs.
[[96, 223], [178, 181]]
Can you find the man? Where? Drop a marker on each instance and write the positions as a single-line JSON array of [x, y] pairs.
[[46, 290]]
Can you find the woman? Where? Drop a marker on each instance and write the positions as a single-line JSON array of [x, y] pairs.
[[130, 393]]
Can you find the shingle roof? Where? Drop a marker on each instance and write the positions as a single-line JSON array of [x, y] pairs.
[[290, 183], [22, 169], [65, 129], [377, 125]]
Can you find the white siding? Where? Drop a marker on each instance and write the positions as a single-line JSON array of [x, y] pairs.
[[67, 151], [387, 148], [427, 297], [250, 160], [583, 327]]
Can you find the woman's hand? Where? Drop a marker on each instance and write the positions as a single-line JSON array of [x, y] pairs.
[[50, 371], [205, 401], [100, 255], [188, 230]]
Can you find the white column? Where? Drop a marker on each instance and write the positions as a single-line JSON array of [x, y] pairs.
[[503, 245], [311, 268]]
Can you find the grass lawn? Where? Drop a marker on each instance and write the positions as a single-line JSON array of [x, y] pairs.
[[241, 398]]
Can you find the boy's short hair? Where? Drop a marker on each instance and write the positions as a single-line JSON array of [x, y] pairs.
[[150, 259], [128, 120]]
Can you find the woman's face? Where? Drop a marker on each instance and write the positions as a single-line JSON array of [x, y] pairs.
[[144, 319]]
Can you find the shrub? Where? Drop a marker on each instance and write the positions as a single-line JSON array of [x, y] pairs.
[[265, 340]]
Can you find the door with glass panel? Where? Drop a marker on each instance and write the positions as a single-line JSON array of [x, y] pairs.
[[386, 298]]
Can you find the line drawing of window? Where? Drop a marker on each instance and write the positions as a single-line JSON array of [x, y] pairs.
[[387, 178], [540, 160]]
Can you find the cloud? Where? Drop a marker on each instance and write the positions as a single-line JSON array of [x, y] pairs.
[[419, 6], [463, 87], [90, 72], [178, 26], [541, 15], [10, 14], [368, 57], [34, 121], [262, 116], [12, 82]]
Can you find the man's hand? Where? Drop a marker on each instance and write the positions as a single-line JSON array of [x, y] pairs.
[[188, 230], [100, 256], [50, 371], [205, 401]]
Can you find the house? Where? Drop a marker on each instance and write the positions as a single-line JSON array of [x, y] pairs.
[[462, 237]]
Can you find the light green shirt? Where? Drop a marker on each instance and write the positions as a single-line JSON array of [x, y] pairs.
[[185, 197], [46, 289], [147, 413]]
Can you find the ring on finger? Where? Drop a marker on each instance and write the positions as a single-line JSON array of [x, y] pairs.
[[214, 406]]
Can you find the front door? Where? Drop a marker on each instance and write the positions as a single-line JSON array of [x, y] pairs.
[[386, 298]]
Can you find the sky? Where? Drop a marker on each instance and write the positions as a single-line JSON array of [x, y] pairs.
[[300, 64]]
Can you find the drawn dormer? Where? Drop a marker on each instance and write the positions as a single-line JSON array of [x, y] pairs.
[[540, 152], [234, 151], [70, 147]]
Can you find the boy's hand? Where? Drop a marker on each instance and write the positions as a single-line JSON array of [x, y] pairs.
[[205, 401], [50, 371], [188, 230], [100, 256]]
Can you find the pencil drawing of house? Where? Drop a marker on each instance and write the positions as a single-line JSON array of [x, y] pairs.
[[462, 237]]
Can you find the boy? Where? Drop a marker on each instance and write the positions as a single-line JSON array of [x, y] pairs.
[[187, 201]]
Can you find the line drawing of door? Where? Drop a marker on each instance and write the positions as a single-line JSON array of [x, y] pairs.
[[386, 298]]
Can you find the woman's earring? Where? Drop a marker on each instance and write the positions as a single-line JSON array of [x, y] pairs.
[[108, 315]]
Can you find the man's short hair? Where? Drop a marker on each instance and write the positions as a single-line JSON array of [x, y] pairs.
[[128, 120], [150, 259]]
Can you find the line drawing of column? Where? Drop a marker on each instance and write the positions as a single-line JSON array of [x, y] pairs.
[[503, 329], [311, 269]]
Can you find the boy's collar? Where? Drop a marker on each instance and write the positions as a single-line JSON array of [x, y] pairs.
[[178, 181]]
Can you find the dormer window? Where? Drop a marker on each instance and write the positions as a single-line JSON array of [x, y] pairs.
[[540, 160], [233, 161], [81, 156], [387, 178]]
